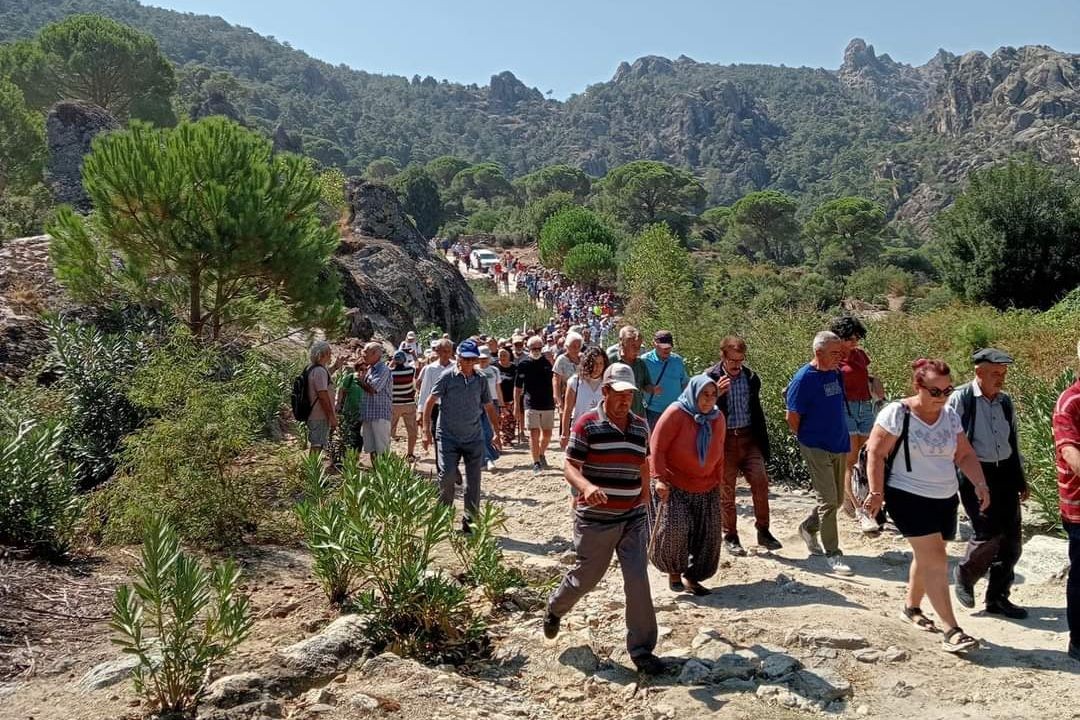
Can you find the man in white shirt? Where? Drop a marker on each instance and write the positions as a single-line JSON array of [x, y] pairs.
[[428, 377]]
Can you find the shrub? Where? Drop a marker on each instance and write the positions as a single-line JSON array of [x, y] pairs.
[[568, 228], [1037, 446], [208, 408], [390, 523], [39, 505], [590, 264], [481, 557], [196, 617]]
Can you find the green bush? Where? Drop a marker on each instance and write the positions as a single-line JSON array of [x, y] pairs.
[[481, 556], [1038, 449], [208, 409], [381, 528], [39, 504], [177, 618]]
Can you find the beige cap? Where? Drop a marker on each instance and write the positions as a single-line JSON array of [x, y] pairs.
[[620, 377]]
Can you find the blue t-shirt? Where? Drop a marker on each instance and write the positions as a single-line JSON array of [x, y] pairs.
[[818, 397], [671, 380]]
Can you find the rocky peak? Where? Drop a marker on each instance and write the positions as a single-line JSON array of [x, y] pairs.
[[900, 86], [505, 91], [646, 66], [70, 127]]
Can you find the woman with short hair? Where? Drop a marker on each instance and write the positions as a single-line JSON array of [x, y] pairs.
[[912, 455], [687, 460]]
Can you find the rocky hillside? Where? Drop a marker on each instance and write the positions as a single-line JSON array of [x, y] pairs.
[[902, 134]]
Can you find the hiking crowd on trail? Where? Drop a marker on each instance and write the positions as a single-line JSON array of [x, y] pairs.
[[653, 454]]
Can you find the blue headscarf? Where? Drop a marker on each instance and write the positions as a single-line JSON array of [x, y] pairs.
[[688, 404]]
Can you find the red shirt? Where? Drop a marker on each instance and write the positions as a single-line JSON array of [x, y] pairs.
[[673, 452], [1066, 433], [856, 375]]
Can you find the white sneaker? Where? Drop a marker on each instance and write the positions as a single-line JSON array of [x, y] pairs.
[[866, 523], [491, 465], [838, 566]]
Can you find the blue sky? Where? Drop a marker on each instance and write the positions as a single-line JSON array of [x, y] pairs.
[[564, 45]]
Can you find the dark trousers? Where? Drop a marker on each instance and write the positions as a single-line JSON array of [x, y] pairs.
[[435, 431], [1072, 588], [996, 545], [451, 453]]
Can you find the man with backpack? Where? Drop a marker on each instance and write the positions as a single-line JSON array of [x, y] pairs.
[[311, 401], [989, 421]]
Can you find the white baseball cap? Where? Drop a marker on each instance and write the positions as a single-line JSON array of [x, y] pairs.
[[620, 377]]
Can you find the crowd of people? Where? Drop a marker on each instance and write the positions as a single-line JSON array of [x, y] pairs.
[[653, 453]]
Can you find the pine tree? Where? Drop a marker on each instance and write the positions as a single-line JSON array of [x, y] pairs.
[[205, 218]]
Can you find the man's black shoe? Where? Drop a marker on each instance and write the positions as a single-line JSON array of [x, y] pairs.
[[551, 625], [1074, 651], [734, 547], [965, 594], [766, 540], [1006, 608], [649, 664]]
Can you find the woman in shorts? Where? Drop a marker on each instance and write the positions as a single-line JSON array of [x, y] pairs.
[[920, 488]]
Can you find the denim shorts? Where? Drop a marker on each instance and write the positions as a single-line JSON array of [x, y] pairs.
[[860, 417]]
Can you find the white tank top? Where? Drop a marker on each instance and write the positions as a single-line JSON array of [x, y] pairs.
[[588, 395]]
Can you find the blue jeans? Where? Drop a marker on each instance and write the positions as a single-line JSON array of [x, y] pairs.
[[451, 452], [490, 453], [1072, 587]]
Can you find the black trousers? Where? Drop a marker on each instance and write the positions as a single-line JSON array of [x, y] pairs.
[[995, 547]]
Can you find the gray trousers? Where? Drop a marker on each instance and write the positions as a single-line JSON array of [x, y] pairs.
[[827, 477], [595, 543], [450, 452]]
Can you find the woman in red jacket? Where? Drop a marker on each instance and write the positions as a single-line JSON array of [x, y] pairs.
[[687, 456]]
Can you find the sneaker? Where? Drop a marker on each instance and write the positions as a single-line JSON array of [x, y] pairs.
[[838, 566], [537, 468], [866, 523], [1006, 608], [1074, 651], [544, 462], [491, 466], [551, 625], [466, 528], [810, 538], [766, 540], [649, 664], [957, 641], [965, 594], [731, 544]]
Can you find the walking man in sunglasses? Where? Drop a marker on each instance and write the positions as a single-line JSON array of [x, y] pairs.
[[989, 422]]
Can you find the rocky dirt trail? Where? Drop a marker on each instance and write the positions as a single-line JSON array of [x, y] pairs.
[[778, 638]]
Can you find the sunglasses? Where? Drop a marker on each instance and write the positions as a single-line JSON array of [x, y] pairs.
[[938, 392]]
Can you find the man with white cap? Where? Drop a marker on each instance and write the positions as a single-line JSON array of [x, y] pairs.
[[607, 465], [410, 346]]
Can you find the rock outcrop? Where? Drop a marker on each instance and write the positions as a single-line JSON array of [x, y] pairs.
[[70, 127], [505, 91], [391, 280], [216, 104], [902, 87]]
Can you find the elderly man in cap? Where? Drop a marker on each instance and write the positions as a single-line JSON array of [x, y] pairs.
[[989, 420], [667, 375], [378, 407], [463, 396], [607, 465], [410, 346]]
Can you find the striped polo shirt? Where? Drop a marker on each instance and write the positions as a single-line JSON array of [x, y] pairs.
[[610, 459], [403, 382]]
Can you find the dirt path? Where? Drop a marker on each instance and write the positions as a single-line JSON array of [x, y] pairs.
[[766, 610]]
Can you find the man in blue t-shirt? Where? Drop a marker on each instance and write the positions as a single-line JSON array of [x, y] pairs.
[[815, 413], [667, 376]]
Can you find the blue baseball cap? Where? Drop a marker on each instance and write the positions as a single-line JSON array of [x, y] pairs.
[[468, 349]]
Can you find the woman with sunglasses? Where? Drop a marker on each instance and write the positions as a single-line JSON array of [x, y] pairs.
[[912, 455]]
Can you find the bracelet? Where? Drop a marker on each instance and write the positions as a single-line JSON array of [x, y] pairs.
[[872, 493]]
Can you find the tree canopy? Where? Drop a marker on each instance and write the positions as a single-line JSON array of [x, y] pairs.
[[206, 216], [764, 223], [485, 181], [645, 192], [22, 139], [555, 178], [590, 264], [1011, 238], [568, 228], [420, 198]]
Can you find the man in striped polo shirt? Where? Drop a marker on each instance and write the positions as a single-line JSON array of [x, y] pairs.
[[403, 384], [1067, 444], [607, 465]]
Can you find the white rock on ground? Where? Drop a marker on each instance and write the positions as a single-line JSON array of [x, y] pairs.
[[1045, 559]]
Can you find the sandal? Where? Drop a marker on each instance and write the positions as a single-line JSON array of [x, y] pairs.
[[676, 585], [958, 641], [697, 588], [411, 459], [916, 617]]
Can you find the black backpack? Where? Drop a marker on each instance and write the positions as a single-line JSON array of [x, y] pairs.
[[298, 399], [860, 476]]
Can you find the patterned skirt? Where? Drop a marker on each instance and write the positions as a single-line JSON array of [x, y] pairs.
[[507, 423], [685, 534]]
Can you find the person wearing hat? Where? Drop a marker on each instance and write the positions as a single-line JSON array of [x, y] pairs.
[[462, 395], [989, 419], [403, 383], [410, 346], [667, 374], [535, 400], [607, 465], [429, 419], [491, 376]]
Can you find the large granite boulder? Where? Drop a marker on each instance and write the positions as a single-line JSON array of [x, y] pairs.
[[392, 280], [70, 128]]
